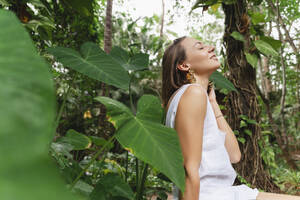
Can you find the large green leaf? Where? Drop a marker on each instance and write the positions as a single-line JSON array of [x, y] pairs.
[[139, 61], [265, 48], [221, 81], [27, 105], [236, 35], [109, 186], [94, 63], [78, 140], [119, 54], [149, 108], [150, 141], [252, 59], [276, 44]]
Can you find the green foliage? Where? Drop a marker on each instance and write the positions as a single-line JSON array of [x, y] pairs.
[[4, 3], [252, 59], [221, 82], [138, 61], [276, 44], [148, 140], [27, 99], [82, 7], [256, 2], [257, 17], [203, 3], [265, 48], [100, 141], [244, 123], [93, 62], [78, 140], [149, 108], [236, 35], [288, 180], [111, 186]]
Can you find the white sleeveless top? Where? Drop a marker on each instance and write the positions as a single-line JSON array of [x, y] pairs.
[[216, 172]]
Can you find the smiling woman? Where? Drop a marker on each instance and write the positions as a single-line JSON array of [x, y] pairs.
[[207, 142]]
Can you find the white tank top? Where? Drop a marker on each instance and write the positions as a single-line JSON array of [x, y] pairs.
[[215, 170]]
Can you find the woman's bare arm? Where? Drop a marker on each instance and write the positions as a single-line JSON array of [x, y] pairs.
[[231, 143], [189, 125]]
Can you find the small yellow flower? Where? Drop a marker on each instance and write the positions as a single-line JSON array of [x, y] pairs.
[[87, 114]]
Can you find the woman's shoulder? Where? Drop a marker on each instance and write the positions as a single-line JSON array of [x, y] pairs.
[[194, 90], [194, 96]]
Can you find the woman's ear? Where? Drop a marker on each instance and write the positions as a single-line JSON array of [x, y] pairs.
[[183, 67]]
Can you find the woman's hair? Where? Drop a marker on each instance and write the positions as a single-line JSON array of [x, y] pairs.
[[172, 79]]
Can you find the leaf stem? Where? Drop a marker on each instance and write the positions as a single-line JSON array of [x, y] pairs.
[[92, 160], [130, 96], [142, 181], [62, 108]]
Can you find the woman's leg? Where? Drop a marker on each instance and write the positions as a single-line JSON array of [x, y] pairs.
[[275, 196]]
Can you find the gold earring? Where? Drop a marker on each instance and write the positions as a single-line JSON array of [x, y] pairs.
[[190, 76]]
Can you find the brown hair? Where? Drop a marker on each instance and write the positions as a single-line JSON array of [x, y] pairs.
[[172, 78]]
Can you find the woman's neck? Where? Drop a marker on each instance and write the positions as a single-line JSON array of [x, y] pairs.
[[202, 80]]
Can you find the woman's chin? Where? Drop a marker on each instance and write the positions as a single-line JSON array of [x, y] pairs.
[[217, 65]]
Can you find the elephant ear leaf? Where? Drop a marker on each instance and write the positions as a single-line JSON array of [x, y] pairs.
[[137, 62], [27, 100], [147, 139], [93, 62], [149, 108]]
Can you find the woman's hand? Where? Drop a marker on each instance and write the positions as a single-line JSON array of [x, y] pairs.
[[212, 94]]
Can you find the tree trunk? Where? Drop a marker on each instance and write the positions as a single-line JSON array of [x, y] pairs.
[[107, 49], [243, 76], [108, 27], [161, 35], [265, 69]]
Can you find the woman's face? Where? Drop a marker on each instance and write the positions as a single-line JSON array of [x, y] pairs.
[[200, 57]]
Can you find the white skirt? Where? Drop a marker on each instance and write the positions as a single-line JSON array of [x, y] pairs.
[[236, 192]]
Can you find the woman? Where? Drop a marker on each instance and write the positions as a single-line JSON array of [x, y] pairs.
[[208, 144]]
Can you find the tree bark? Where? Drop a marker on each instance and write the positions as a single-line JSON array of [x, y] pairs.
[[107, 49], [108, 27], [265, 69], [243, 76]]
